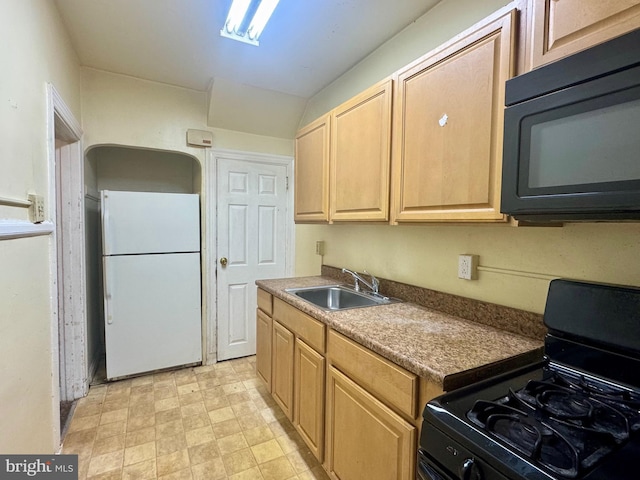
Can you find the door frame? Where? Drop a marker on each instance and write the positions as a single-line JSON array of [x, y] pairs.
[[211, 235], [69, 318]]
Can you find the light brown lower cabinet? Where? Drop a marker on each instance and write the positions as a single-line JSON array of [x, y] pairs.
[[358, 413], [297, 365], [308, 416], [365, 439], [264, 340], [282, 369]]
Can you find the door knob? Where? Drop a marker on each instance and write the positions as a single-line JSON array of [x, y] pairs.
[[223, 261]]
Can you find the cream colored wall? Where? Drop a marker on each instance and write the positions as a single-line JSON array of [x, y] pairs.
[[26, 422], [232, 140], [35, 50], [127, 111], [516, 263]]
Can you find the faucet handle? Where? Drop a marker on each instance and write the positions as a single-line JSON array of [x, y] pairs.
[[355, 276], [375, 283]]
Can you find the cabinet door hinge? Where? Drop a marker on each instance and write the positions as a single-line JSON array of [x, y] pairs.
[[286, 182]]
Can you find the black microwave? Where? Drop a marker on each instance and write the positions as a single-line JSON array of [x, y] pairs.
[[572, 137]]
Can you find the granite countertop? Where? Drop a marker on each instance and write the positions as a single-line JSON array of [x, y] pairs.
[[444, 349]]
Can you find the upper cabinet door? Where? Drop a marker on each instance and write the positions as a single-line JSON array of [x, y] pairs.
[[361, 156], [312, 172], [448, 128], [563, 27]]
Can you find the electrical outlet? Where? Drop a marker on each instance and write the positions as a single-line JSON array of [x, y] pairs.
[[468, 266], [320, 247], [36, 210]]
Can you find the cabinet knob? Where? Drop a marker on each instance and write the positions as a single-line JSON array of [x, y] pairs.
[[443, 120], [223, 261]]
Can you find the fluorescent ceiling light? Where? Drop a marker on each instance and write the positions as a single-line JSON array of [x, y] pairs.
[[236, 15], [247, 19]]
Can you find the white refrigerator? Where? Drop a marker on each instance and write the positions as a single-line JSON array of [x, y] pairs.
[[151, 276]]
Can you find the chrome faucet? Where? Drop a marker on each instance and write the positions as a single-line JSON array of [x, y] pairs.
[[373, 286]]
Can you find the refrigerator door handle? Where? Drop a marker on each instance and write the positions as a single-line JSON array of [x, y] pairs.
[[107, 294], [104, 207], [108, 309]]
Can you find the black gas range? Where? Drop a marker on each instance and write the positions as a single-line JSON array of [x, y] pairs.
[[573, 415]]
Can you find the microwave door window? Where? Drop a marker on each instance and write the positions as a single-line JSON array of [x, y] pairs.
[[596, 146]]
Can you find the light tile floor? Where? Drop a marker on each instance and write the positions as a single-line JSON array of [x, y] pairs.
[[210, 422]]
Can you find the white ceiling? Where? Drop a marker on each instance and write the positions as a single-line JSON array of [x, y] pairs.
[[306, 45]]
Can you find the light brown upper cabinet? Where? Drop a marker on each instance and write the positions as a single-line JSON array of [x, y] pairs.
[[563, 27], [312, 172], [448, 128], [361, 156]]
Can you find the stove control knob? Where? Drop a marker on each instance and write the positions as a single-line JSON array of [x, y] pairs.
[[470, 470]]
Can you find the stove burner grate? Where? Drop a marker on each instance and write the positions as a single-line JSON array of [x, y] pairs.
[[574, 408], [560, 424], [529, 436], [625, 401]]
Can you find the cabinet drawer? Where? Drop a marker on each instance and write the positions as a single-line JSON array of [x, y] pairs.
[[307, 328], [378, 375], [265, 301]]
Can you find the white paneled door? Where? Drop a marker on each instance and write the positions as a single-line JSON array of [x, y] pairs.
[[251, 232]]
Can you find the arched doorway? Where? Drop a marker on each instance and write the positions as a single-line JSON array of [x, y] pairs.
[[123, 168]]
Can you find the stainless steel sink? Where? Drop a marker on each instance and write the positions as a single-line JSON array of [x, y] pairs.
[[338, 297]]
